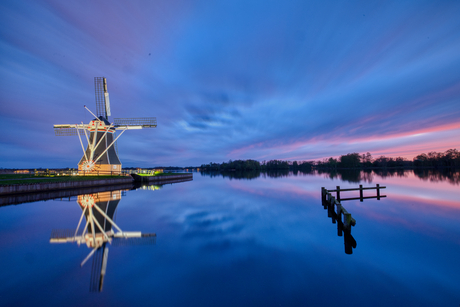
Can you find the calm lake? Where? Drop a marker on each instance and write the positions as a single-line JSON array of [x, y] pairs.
[[243, 240]]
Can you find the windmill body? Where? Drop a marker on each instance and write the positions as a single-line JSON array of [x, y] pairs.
[[98, 221], [100, 154], [103, 135]]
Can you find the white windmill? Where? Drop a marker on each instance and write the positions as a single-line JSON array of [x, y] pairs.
[[100, 154]]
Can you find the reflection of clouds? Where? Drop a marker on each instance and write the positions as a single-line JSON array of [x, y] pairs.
[[209, 225], [429, 217], [223, 245], [287, 241]]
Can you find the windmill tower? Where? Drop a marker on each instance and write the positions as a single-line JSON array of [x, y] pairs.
[[100, 155]]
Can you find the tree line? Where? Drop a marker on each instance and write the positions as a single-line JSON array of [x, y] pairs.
[[447, 159], [246, 165]]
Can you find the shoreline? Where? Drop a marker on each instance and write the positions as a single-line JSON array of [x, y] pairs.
[[24, 188]]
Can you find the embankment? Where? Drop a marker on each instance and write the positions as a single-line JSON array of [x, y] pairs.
[[67, 185]]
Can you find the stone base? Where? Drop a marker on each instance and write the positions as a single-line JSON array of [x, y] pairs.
[[103, 169]]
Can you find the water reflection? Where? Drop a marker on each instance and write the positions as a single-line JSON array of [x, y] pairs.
[[152, 187], [344, 225], [347, 175], [100, 230], [451, 176], [260, 242], [349, 241], [247, 174]]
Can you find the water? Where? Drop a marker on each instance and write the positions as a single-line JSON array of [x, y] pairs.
[[265, 241]]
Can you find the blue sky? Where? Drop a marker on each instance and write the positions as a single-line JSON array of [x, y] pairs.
[[291, 80]]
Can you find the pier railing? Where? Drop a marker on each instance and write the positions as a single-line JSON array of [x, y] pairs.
[[340, 215], [361, 192]]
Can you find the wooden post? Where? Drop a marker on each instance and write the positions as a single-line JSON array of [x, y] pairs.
[[378, 191], [361, 192], [333, 208], [347, 220], [338, 193], [339, 219]]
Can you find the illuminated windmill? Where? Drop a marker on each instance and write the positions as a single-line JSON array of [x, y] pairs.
[[100, 154], [99, 210]]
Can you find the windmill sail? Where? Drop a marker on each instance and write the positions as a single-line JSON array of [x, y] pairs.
[[139, 122], [65, 131]]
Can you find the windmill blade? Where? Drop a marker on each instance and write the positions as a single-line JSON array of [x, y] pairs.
[[136, 123], [100, 88], [98, 269], [116, 143]]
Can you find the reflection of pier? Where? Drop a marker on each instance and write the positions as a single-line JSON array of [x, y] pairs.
[[15, 199], [340, 215], [99, 231]]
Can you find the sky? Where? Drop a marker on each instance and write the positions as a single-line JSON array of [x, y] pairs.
[[292, 80]]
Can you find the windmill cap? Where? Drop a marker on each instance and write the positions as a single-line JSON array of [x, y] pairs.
[[103, 119]]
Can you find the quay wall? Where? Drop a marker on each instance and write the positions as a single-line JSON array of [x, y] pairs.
[[14, 199], [66, 185], [62, 185]]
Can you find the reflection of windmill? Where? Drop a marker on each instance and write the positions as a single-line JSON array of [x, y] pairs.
[[100, 154], [99, 210]]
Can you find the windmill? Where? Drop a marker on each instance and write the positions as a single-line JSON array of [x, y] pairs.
[[99, 210], [100, 155]]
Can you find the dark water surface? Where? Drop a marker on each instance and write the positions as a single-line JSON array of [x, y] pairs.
[[266, 241]]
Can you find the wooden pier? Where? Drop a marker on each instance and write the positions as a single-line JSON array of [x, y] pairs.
[[361, 192], [340, 215]]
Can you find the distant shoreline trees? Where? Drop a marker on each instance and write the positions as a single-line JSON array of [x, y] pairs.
[[448, 159]]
